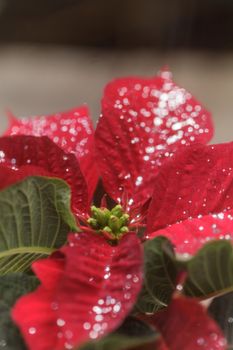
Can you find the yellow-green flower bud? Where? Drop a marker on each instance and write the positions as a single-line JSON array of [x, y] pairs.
[[124, 229], [101, 215], [117, 211], [107, 229], [114, 223], [93, 223], [124, 220]]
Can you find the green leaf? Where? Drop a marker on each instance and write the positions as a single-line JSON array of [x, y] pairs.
[[12, 286], [160, 272], [210, 272], [131, 334], [221, 310], [35, 219]]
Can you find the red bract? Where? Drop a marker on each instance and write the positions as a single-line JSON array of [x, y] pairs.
[[144, 122], [30, 155], [9, 176], [71, 130], [186, 325], [84, 297], [193, 198]]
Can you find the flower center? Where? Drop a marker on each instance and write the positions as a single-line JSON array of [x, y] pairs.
[[113, 224]]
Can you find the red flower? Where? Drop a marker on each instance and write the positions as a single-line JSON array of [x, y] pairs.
[[144, 123]]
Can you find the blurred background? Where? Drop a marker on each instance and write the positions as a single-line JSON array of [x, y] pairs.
[[58, 54]]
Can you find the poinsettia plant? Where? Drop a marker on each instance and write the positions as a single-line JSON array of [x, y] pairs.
[[111, 239]]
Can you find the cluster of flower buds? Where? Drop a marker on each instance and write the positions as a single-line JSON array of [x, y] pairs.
[[112, 223]]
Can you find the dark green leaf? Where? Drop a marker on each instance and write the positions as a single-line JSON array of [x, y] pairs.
[[160, 272], [12, 286], [131, 334], [210, 272], [35, 219], [221, 309]]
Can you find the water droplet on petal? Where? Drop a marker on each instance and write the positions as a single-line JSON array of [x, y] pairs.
[[32, 330], [60, 322]]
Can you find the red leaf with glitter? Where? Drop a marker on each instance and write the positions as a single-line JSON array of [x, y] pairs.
[[96, 291], [190, 235], [9, 176], [39, 306], [36, 319], [71, 130], [49, 271], [18, 152], [185, 325], [193, 197], [144, 122]]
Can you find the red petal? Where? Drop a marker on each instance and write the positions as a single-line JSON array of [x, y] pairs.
[[185, 325], [9, 176], [49, 271], [160, 345], [144, 122], [35, 314], [41, 302], [199, 182], [189, 235], [17, 152], [103, 285], [71, 130], [99, 287]]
